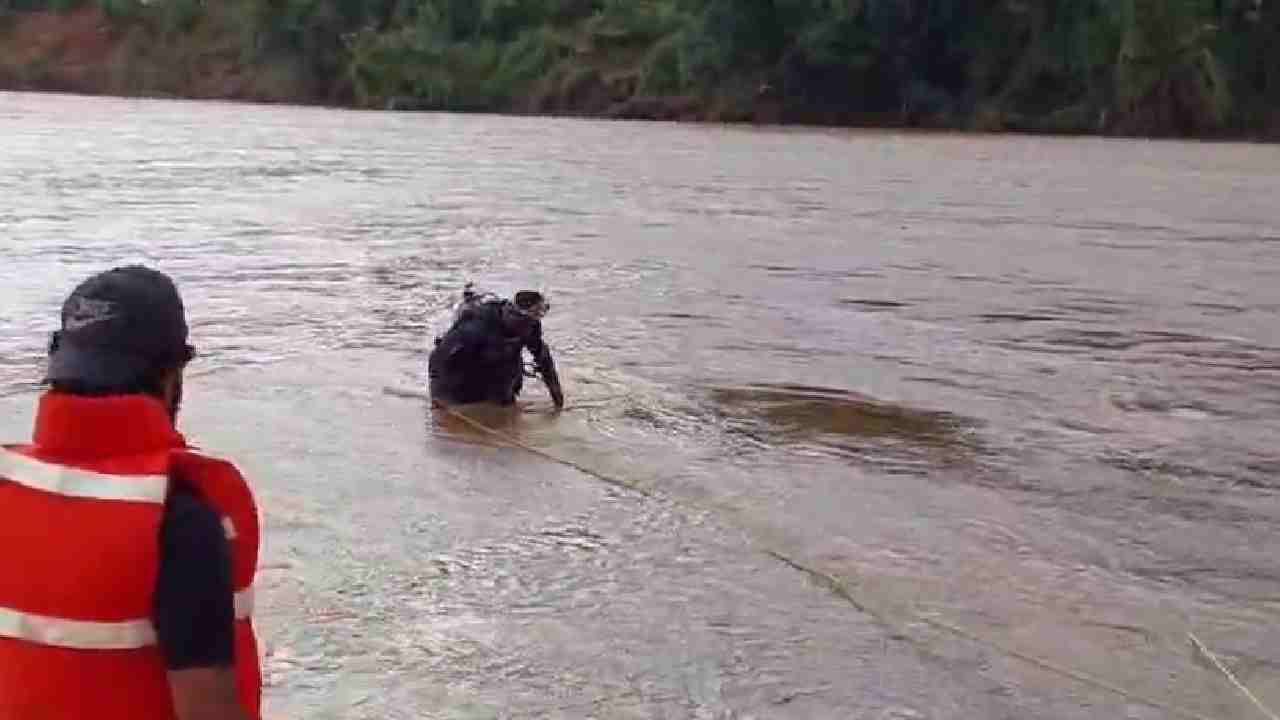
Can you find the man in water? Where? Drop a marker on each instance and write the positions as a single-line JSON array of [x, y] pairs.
[[480, 358]]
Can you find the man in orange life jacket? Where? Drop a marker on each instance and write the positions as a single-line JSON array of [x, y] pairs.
[[126, 579]]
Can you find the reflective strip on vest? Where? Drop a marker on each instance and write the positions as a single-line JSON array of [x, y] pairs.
[[76, 634], [74, 482], [89, 635]]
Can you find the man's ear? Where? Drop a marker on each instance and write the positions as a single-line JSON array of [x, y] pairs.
[[171, 388], [168, 383]]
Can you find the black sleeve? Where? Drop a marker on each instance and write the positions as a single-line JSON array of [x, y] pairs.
[[195, 605], [534, 343], [545, 363]]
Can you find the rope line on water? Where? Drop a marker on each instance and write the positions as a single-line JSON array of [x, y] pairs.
[[1223, 668], [840, 589], [507, 438]]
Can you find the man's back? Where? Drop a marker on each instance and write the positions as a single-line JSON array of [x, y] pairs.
[[138, 554], [78, 575], [476, 361]]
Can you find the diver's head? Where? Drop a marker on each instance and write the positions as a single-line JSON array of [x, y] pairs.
[[523, 313]]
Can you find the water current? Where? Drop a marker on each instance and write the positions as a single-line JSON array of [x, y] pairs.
[[1024, 387]]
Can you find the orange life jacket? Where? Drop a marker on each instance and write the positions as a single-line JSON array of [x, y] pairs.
[[80, 514]]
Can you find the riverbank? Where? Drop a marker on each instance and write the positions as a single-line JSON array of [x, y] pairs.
[[589, 70], [86, 52]]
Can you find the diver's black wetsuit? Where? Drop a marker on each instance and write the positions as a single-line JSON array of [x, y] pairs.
[[478, 361]]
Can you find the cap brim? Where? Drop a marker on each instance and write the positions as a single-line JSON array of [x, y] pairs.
[[94, 366]]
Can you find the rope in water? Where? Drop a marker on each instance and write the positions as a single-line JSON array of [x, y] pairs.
[[1223, 669], [839, 588]]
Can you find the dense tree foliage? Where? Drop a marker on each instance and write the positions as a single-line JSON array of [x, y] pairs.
[[1148, 66]]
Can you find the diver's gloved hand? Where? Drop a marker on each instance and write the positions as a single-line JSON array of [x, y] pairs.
[[546, 367]]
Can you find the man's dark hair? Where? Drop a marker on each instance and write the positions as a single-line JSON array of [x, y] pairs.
[[148, 384]]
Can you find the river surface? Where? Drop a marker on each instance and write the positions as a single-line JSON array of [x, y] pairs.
[[1025, 388]]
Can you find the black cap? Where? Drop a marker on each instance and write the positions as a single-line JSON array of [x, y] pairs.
[[117, 326]]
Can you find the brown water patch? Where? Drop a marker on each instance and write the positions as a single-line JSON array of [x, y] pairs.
[[804, 411], [845, 424]]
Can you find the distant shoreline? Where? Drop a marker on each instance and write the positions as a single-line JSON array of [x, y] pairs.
[[83, 52], [888, 126]]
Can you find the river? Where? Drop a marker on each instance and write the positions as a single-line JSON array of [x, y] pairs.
[[1026, 388]]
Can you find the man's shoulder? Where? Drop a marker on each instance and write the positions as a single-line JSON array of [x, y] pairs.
[[194, 454], [194, 596], [192, 530], [187, 514], [208, 476]]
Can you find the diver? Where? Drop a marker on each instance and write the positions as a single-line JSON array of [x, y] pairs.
[[480, 358]]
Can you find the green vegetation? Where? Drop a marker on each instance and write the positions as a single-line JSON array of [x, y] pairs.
[[1183, 67]]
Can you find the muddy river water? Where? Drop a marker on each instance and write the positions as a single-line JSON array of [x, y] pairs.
[[900, 426]]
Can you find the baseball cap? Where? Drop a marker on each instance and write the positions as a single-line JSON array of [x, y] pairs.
[[117, 326]]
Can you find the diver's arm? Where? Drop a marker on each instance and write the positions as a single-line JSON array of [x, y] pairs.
[[546, 366]]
